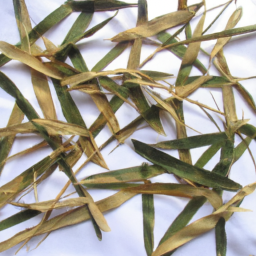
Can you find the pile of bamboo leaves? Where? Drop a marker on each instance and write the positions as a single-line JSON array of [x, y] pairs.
[[138, 90]]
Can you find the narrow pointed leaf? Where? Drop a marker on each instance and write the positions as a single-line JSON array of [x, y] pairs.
[[184, 170], [181, 190], [125, 175], [71, 217], [155, 26], [7, 142], [15, 53], [192, 142], [221, 237], [148, 222]]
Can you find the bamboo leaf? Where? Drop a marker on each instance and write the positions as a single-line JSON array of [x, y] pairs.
[[221, 238], [98, 6], [18, 218], [148, 222], [202, 225], [60, 127], [184, 170], [155, 26], [15, 53], [192, 142], [233, 20], [136, 173], [178, 190], [49, 205], [43, 94], [71, 217], [7, 142]]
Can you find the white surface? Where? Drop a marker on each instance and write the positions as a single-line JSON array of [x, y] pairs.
[[126, 237]]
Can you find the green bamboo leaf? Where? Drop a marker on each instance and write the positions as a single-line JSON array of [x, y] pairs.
[[216, 18], [148, 222], [137, 173], [17, 218], [156, 75], [249, 130], [110, 56], [23, 23], [80, 25], [98, 6], [211, 118], [215, 82], [246, 95], [241, 147], [192, 142], [184, 170], [208, 154], [221, 238]]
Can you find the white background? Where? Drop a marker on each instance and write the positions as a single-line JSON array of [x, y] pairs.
[[126, 237]]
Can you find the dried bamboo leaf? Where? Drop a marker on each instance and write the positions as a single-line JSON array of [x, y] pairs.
[[190, 55], [99, 217], [29, 150], [155, 26], [15, 53], [7, 142], [87, 76], [48, 205], [62, 128], [232, 22], [43, 94], [184, 170], [18, 128], [192, 142], [178, 190], [185, 91], [68, 218]]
